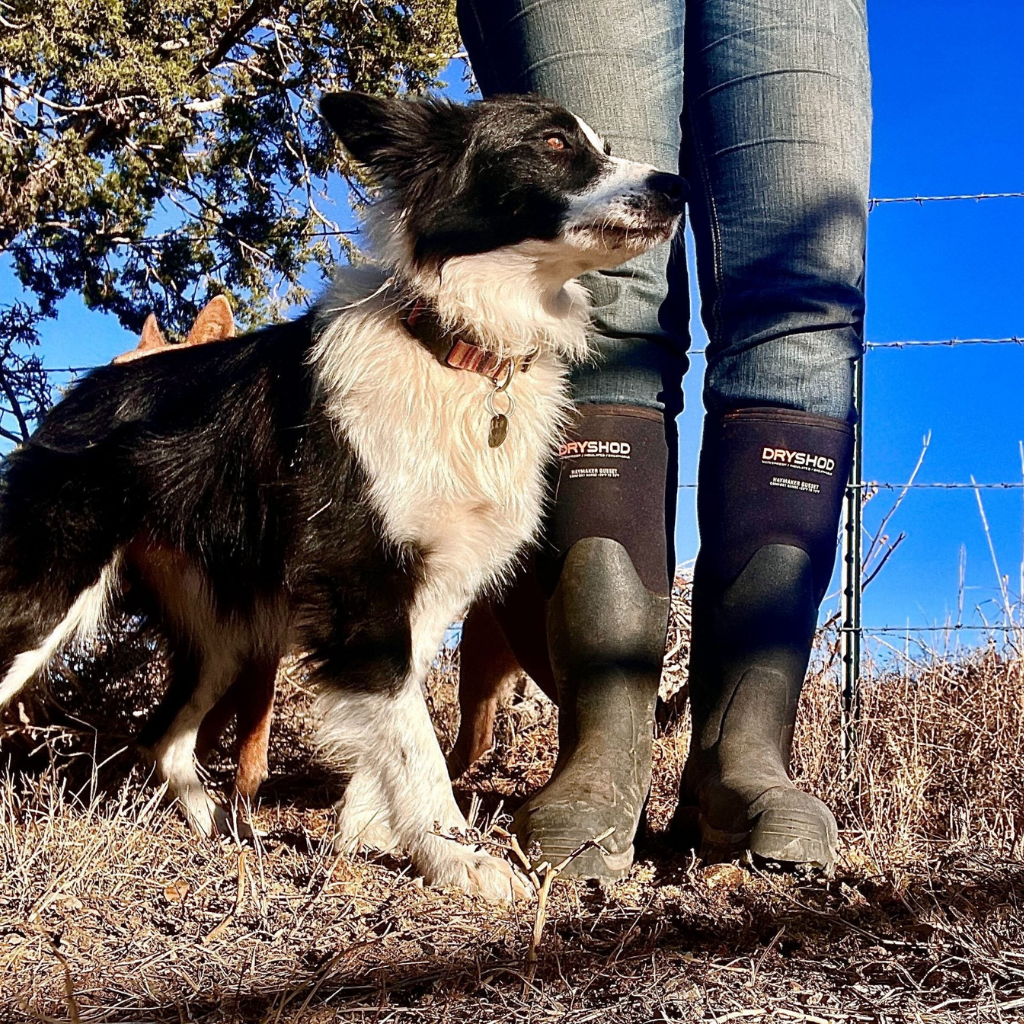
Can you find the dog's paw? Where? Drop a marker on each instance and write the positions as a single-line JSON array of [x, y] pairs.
[[228, 822], [200, 810], [495, 879], [360, 831], [480, 874], [366, 835], [209, 818]]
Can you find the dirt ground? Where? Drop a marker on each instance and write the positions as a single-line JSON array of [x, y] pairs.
[[111, 911]]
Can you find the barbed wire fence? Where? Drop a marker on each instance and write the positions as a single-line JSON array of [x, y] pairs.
[[854, 571], [855, 574]]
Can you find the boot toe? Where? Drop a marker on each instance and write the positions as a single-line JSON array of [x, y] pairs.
[[554, 832], [783, 826], [794, 828]]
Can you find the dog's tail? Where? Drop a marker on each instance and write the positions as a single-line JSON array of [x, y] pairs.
[[83, 619], [61, 543]]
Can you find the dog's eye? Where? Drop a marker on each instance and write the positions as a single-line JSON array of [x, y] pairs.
[[555, 141]]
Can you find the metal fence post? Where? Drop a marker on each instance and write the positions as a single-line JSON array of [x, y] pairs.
[[850, 647]]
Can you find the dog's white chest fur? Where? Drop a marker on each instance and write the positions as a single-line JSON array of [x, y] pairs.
[[420, 431]]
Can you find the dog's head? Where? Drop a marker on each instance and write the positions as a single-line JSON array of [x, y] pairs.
[[475, 178], [506, 198]]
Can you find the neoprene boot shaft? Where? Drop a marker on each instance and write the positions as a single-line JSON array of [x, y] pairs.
[[770, 489]]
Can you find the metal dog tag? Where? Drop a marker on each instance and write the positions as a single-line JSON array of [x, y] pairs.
[[498, 430]]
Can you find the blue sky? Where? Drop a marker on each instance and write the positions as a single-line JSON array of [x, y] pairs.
[[948, 91], [949, 119]]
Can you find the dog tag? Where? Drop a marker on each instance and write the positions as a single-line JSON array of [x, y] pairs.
[[498, 431]]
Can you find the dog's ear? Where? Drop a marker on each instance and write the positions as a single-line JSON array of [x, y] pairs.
[[390, 136], [152, 337], [152, 340], [214, 323]]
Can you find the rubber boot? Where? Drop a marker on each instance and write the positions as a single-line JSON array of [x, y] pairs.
[[770, 490], [604, 570], [606, 638]]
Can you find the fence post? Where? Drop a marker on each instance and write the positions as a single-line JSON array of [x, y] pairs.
[[852, 553]]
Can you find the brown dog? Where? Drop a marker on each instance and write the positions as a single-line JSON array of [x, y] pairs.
[[500, 640], [214, 323], [251, 699]]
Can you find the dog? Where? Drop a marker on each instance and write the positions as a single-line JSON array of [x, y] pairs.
[[250, 700], [502, 642], [343, 485], [489, 670]]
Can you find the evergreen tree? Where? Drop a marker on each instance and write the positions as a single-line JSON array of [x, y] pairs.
[[156, 152]]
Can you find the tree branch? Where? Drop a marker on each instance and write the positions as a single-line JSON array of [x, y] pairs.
[[15, 406], [232, 35]]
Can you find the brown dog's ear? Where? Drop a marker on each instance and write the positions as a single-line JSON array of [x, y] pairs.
[[152, 337], [214, 323], [152, 340]]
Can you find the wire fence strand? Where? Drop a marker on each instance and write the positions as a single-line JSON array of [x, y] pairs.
[[953, 628], [976, 196], [873, 346], [955, 485], [887, 485]]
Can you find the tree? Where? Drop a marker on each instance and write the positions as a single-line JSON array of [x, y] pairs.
[[154, 153]]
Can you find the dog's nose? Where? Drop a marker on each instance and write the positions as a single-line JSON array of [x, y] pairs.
[[672, 186]]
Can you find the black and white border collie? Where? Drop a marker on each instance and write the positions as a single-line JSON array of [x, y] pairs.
[[341, 485]]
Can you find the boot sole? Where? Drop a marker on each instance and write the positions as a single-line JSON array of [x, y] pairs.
[[787, 837], [594, 865]]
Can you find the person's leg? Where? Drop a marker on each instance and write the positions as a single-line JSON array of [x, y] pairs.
[[778, 113], [618, 66], [605, 565]]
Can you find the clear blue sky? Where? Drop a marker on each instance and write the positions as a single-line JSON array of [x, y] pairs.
[[949, 119]]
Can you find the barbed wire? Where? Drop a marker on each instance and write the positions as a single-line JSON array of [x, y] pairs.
[[890, 200], [954, 628], [944, 343], [155, 241], [872, 346], [886, 485], [210, 235]]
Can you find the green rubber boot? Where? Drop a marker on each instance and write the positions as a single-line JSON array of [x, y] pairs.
[[606, 638], [750, 653], [769, 494]]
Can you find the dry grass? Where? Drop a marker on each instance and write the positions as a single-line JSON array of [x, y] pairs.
[[110, 911]]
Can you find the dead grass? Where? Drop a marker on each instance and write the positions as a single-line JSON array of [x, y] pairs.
[[110, 911]]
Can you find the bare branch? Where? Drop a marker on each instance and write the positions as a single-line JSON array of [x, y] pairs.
[[233, 35], [19, 414]]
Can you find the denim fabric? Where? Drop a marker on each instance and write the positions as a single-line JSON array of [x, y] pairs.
[[775, 107]]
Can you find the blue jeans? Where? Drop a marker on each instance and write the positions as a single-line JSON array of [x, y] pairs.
[[771, 124]]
